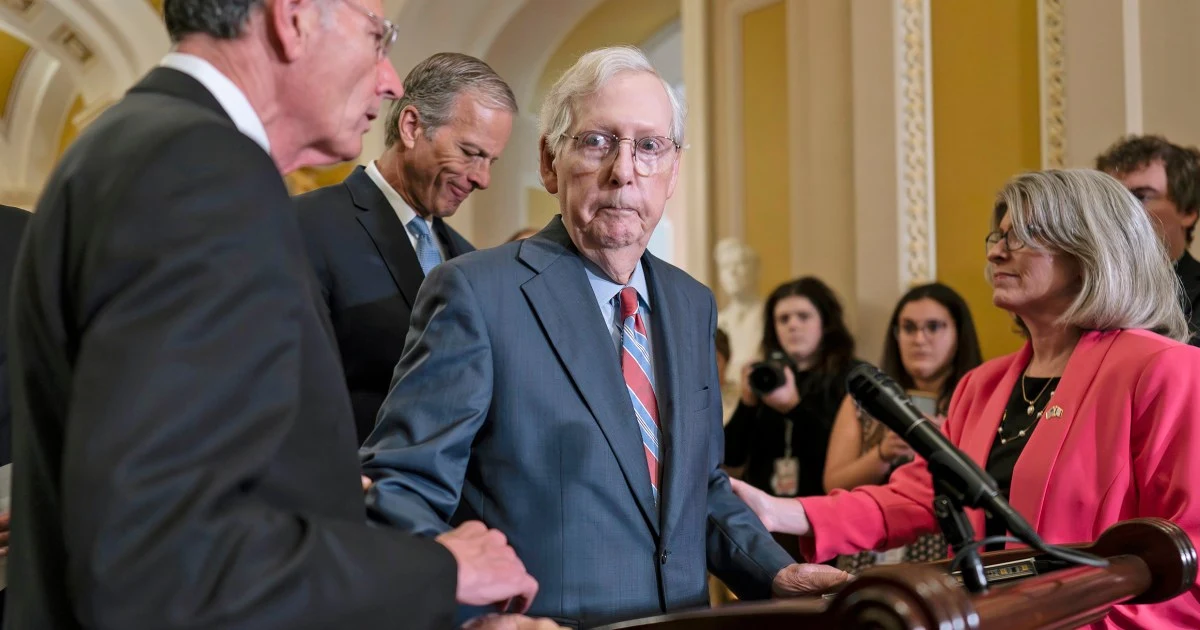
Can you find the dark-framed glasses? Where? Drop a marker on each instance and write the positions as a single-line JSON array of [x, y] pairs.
[[1012, 242], [930, 327], [386, 32], [651, 155]]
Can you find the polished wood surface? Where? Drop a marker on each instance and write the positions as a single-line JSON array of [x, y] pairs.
[[1150, 560]]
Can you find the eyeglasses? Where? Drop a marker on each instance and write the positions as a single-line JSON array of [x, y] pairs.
[[385, 36], [929, 327], [1011, 241], [651, 155]]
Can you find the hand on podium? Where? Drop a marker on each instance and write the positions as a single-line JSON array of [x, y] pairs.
[[808, 580], [489, 571], [510, 622]]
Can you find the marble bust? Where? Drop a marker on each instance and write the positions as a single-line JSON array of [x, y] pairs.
[[742, 316]]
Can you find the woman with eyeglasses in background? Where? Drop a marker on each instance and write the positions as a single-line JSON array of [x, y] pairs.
[[1096, 420], [932, 345]]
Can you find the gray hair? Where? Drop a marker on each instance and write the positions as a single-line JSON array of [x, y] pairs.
[[589, 74], [433, 87], [221, 19], [1127, 278]]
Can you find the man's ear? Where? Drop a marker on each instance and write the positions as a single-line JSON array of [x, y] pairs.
[[293, 24], [1189, 217], [548, 167], [409, 127]]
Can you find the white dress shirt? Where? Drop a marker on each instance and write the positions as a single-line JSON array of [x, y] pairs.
[[402, 209], [228, 95]]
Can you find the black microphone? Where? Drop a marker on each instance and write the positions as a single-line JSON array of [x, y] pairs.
[[884, 400]]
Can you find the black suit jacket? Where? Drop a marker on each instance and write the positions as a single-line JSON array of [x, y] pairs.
[[369, 277], [1188, 270], [12, 226], [181, 434]]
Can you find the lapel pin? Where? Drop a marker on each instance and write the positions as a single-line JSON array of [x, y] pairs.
[[1054, 412]]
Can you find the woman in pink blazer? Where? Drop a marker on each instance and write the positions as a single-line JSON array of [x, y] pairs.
[[1096, 420]]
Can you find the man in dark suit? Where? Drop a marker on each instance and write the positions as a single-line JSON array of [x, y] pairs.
[[373, 237], [12, 227], [1165, 177], [181, 436], [563, 389]]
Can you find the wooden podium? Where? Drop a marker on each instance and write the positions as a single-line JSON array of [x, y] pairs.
[[1150, 560]]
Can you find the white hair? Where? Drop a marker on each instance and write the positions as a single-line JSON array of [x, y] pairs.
[[589, 74], [1127, 278]]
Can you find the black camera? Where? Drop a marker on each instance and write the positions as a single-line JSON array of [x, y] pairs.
[[767, 376]]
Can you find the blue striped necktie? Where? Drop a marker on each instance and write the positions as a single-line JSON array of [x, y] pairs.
[[427, 251]]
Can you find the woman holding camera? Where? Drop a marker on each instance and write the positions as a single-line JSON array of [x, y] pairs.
[[932, 344], [780, 429], [1093, 422]]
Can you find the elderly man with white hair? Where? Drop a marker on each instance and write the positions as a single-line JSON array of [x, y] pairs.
[[563, 389]]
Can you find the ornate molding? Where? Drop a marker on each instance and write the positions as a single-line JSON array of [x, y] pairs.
[[1052, 62], [915, 130]]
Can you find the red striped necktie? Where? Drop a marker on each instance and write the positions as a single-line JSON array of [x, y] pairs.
[[639, 380]]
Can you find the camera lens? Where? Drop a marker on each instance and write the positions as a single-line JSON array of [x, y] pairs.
[[766, 377]]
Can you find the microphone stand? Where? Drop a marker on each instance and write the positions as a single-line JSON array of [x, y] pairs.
[[957, 530]]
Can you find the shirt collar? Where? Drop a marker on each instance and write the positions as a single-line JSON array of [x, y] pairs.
[[228, 94], [606, 290], [403, 210]]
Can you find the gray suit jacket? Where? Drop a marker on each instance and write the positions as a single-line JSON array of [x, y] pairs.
[[508, 405]]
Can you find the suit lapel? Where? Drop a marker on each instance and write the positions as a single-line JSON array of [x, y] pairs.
[[667, 329], [379, 219], [449, 243], [564, 304], [1037, 460]]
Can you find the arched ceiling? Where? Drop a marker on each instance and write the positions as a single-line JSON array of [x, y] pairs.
[[61, 63]]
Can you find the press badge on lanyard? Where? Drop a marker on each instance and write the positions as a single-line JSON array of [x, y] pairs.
[[786, 480]]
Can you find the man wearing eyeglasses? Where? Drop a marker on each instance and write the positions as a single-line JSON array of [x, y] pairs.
[[563, 389], [1165, 177], [373, 238], [183, 444]]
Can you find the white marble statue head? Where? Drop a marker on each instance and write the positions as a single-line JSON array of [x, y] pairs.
[[737, 268]]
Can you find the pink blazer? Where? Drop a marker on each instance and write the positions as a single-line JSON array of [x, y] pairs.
[[1127, 445]]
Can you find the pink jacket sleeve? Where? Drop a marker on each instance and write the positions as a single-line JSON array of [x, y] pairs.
[[881, 517]]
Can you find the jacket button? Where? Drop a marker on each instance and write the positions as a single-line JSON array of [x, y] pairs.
[[662, 557]]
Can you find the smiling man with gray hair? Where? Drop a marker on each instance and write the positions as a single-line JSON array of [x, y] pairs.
[[373, 237], [563, 389]]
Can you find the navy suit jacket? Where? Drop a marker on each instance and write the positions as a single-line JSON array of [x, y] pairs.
[[369, 276], [509, 406]]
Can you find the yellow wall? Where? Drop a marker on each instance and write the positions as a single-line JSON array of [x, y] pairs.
[[312, 178], [541, 205], [613, 22], [765, 141], [986, 129], [69, 129], [12, 54]]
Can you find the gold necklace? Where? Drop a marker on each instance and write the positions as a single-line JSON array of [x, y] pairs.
[[1031, 403], [1029, 411]]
